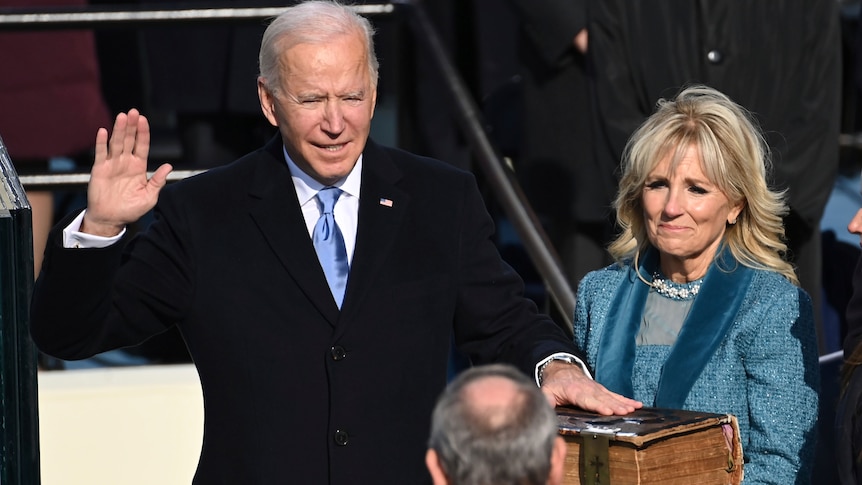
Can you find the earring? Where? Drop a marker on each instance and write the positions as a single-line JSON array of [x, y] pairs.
[[732, 222]]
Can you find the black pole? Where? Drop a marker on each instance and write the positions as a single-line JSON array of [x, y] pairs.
[[19, 404]]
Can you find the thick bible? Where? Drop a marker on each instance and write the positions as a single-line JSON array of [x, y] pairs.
[[651, 446]]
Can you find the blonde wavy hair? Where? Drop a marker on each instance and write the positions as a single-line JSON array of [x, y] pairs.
[[735, 158]]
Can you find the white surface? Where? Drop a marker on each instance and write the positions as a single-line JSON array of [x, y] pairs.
[[129, 426]]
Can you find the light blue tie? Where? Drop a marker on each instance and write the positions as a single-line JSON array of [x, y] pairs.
[[329, 244]]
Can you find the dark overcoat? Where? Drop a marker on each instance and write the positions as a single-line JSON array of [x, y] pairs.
[[296, 391]]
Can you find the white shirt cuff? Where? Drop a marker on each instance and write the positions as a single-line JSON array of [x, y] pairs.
[[561, 356], [74, 238]]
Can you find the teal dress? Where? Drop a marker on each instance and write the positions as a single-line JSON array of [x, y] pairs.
[[746, 346]]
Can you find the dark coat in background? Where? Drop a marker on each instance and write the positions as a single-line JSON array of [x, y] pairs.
[[556, 160], [848, 415], [853, 338], [779, 59], [204, 68], [848, 444], [554, 156]]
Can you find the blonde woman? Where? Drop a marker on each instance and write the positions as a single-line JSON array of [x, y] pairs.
[[701, 311]]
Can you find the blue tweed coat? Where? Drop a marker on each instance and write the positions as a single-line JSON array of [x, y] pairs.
[[747, 348]]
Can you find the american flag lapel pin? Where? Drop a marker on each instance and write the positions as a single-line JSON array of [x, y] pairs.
[[385, 202]]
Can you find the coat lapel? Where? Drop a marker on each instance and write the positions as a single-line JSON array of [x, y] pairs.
[[382, 205], [616, 353], [275, 209], [708, 321], [711, 316]]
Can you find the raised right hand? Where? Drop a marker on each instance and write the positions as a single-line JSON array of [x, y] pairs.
[[119, 192]]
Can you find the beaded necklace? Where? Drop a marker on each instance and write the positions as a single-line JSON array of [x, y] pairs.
[[675, 291]]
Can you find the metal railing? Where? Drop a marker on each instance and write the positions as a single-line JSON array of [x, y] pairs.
[[54, 181], [15, 18], [508, 191]]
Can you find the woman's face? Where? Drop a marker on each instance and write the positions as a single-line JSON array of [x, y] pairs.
[[685, 215]]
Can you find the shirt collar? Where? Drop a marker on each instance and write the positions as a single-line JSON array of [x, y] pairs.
[[307, 187]]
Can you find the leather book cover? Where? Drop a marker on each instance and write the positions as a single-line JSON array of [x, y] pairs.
[[651, 446]]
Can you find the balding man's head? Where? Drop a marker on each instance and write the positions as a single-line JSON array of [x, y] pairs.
[[493, 426]]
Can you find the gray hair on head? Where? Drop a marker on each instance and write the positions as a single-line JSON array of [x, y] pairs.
[[506, 444], [312, 22]]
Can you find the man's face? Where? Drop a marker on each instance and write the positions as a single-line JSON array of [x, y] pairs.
[[323, 105]]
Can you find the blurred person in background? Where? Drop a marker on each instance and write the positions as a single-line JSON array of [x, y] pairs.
[[555, 161], [51, 104]]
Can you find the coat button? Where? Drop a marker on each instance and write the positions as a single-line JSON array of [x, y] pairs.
[[338, 353], [714, 56], [341, 438]]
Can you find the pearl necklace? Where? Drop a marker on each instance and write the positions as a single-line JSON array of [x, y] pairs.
[[675, 291]]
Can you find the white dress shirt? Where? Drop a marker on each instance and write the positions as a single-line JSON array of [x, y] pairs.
[[346, 211]]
